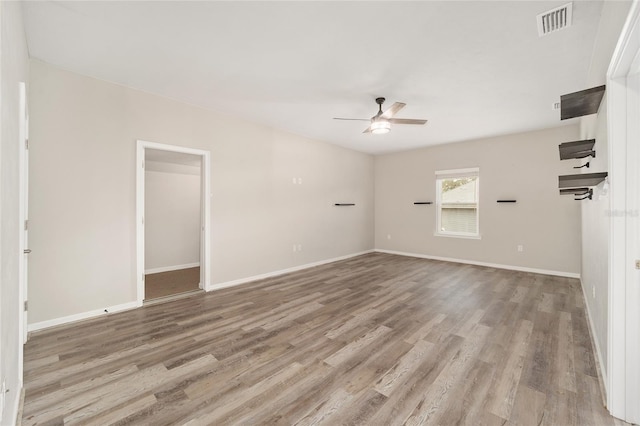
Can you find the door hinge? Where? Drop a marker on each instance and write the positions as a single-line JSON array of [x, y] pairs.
[[637, 263], [26, 305], [26, 224], [26, 144]]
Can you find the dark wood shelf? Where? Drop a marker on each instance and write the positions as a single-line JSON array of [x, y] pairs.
[[574, 191], [506, 201], [343, 204], [581, 103], [582, 181], [577, 149], [423, 202]]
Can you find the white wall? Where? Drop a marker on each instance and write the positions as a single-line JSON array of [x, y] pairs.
[[523, 166], [14, 69], [595, 214], [83, 148], [172, 217], [595, 241]]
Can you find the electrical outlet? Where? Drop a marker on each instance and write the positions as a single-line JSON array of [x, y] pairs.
[[520, 248], [388, 236], [295, 248], [299, 247]]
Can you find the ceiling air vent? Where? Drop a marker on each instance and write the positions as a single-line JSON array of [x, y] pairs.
[[554, 20]]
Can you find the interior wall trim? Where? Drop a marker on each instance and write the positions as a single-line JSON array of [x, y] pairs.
[[602, 372], [81, 316], [171, 268], [233, 283], [490, 265], [132, 305]]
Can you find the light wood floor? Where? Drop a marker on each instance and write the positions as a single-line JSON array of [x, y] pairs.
[[374, 340], [169, 283]]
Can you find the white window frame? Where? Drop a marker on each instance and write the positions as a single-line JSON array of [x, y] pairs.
[[457, 173]]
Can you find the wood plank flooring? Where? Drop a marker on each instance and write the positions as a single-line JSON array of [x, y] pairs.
[[170, 283], [373, 340]]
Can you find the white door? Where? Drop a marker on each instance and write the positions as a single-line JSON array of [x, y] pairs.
[[632, 339], [24, 205], [623, 104]]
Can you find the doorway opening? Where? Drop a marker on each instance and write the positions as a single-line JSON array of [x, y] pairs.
[[172, 221]]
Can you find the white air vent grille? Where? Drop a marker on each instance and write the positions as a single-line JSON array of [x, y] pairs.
[[555, 19]]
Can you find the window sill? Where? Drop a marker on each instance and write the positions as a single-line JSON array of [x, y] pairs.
[[463, 236]]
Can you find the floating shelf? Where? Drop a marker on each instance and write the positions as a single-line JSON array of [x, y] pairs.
[[343, 204], [577, 149], [583, 181], [423, 202], [581, 103], [506, 201], [574, 191]]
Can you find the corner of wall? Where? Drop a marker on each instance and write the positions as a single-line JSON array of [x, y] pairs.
[[595, 227], [14, 63]]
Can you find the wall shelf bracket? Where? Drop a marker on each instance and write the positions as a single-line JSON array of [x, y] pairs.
[[588, 194]]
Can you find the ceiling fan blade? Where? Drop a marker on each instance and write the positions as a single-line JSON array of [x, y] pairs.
[[352, 119], [406, 121], [367, 130], [393, 110]]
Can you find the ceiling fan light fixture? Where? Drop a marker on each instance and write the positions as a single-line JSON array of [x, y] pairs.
[[381, 122], [380, 126]]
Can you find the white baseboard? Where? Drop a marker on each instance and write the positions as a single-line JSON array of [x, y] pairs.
[[131, 305], [171, 268], [491, 265], [594, 342], [81, 316], [233, 283]]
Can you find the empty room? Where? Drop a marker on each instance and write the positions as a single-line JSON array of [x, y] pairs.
[[320, 212]]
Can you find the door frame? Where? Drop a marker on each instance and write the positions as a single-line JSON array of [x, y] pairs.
[[623, 348], [205, 209], [23, 191]]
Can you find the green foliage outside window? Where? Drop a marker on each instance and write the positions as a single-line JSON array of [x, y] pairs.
[[449, 184]]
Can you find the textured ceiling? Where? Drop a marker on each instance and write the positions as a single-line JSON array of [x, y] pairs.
[[473, 69]]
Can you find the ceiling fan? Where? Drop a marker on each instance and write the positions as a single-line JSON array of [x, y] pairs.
[[381, 122]]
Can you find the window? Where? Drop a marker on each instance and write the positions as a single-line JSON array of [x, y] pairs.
[[457, 203]]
